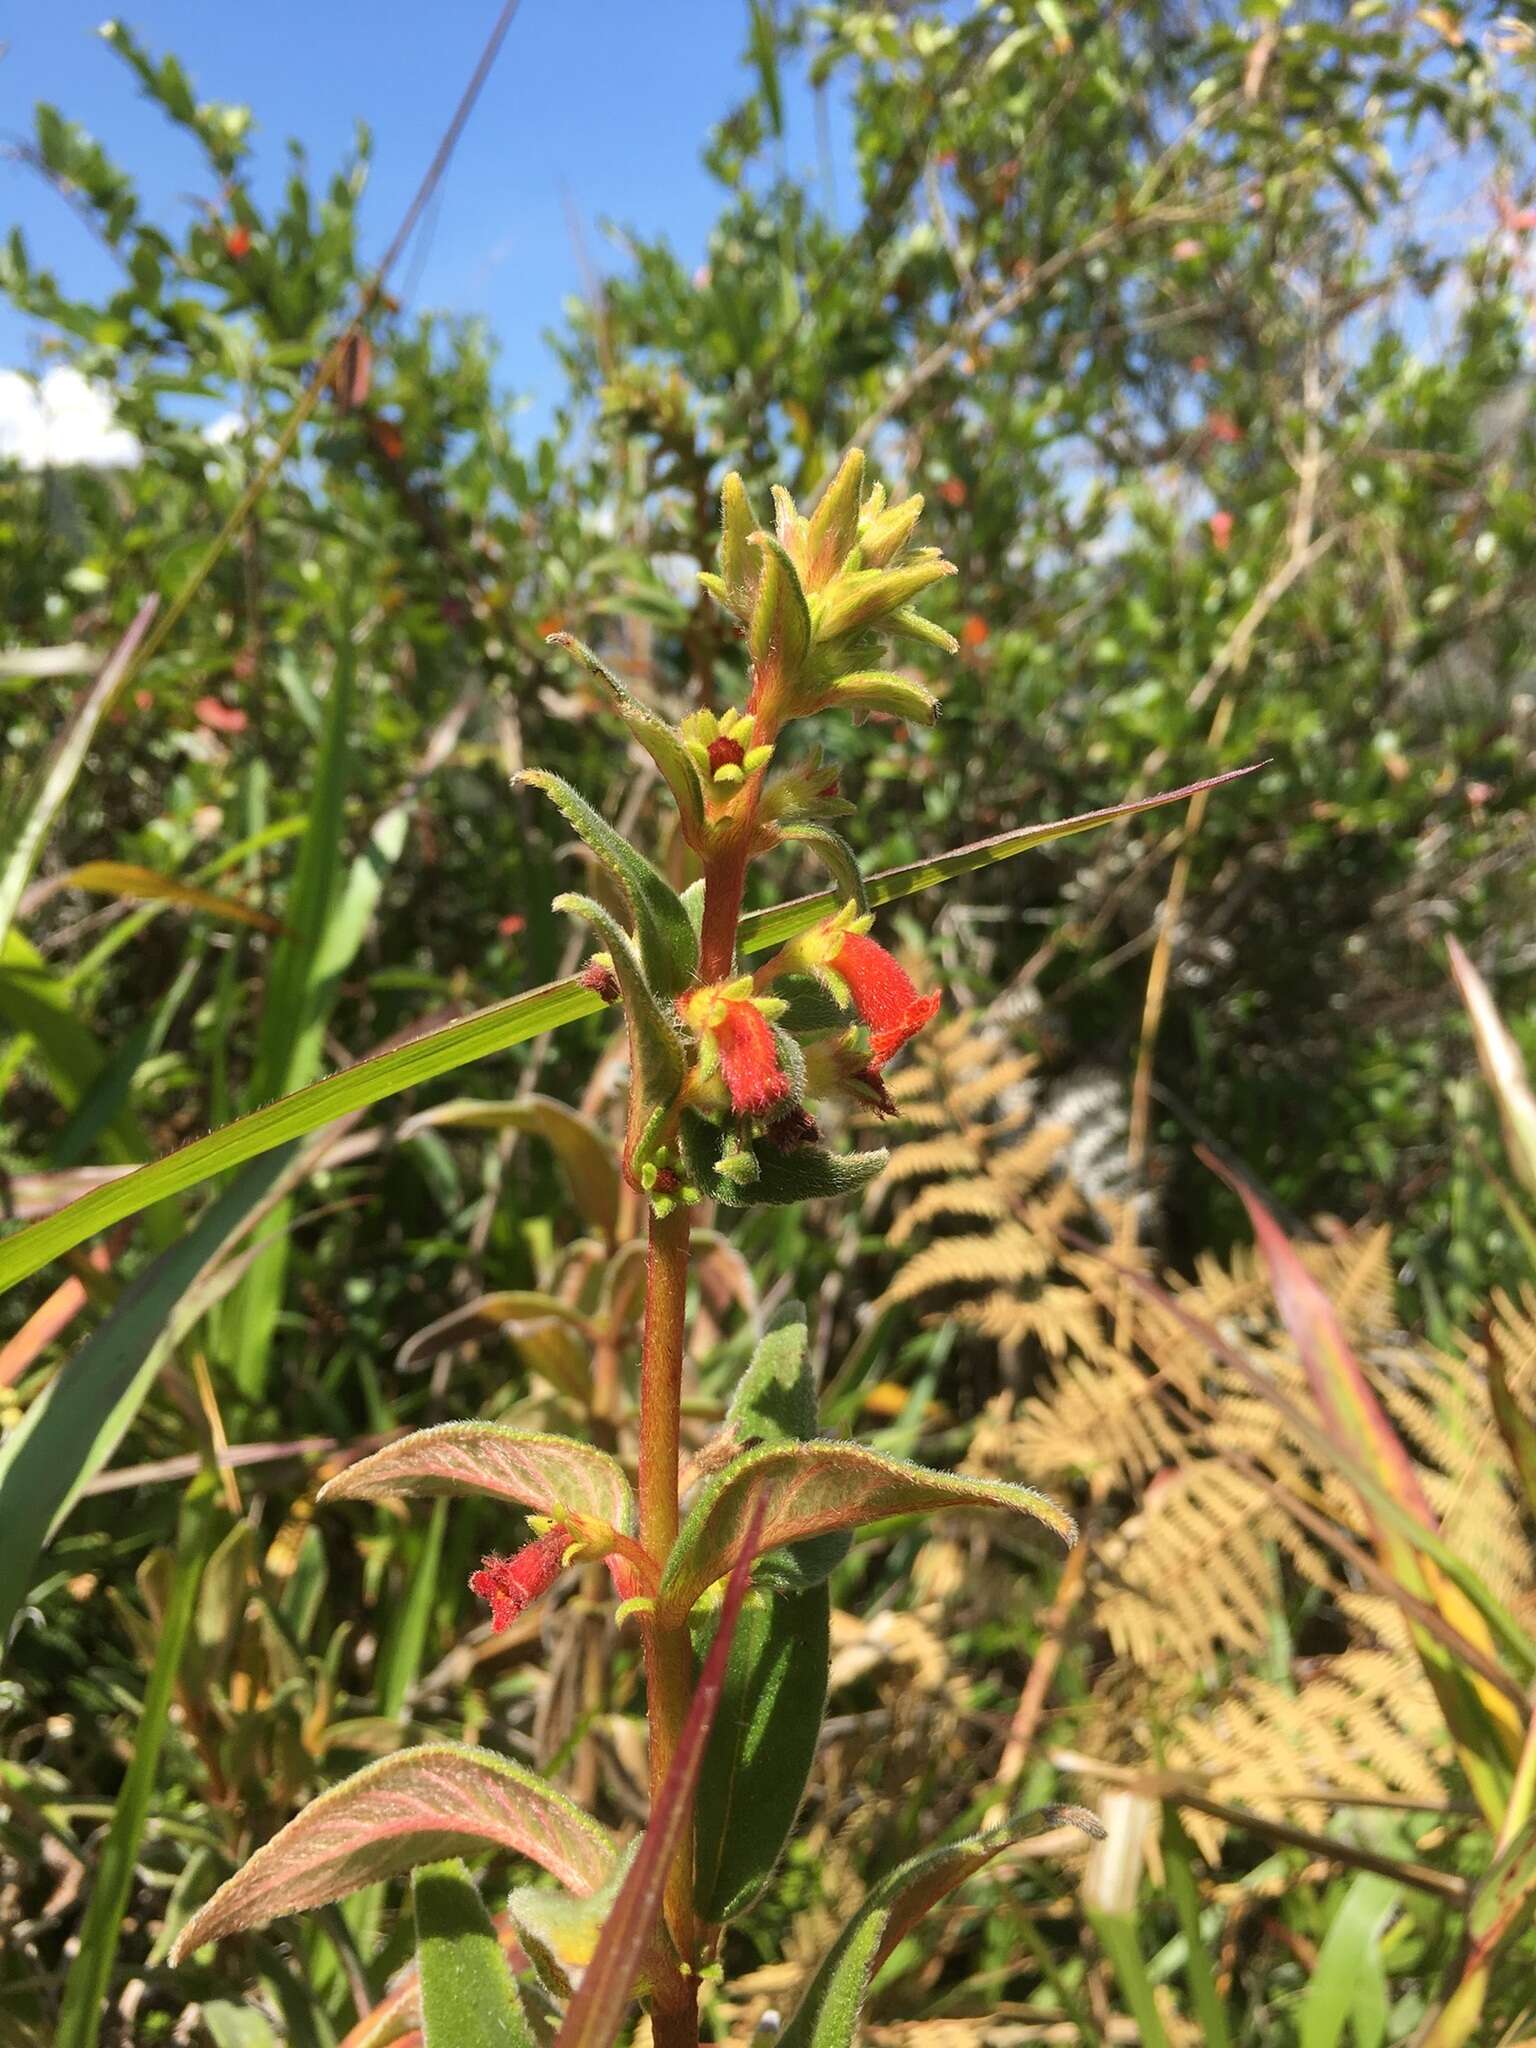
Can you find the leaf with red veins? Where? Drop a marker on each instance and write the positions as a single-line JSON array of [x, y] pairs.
[[548, 1475], [411, 1808], [811, 1489]]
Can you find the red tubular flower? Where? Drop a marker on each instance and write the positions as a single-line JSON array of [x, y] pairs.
[[512, 1583], [884, 995], [733, 1026], [749, 1059]]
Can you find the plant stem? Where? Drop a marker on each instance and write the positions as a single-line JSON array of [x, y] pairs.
[[725, 873], [724, 880], [668, 1650]]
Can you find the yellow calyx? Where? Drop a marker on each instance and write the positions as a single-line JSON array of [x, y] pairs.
[[720, 747], [706, 1009], [814, 951]]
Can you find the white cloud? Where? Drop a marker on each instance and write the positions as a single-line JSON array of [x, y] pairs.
[[61, 422], [229, 426]]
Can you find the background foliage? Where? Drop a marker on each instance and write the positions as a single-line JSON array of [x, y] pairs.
[[1206, 333]]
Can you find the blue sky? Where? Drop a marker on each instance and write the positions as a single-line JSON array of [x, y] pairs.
[[598, 105]]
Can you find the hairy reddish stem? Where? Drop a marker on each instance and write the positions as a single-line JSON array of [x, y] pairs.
[[724, 881], [668, 1650], [669, 1675], [725, 873]]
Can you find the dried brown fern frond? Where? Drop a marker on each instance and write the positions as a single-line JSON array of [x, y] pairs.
[[980, 1176], [1195, 1573], [1365, 1723], [1210, 1507], [1102, 1419]]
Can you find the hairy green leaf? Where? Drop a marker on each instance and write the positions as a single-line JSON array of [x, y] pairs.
[[808, 1173], [660, 740], [469, 1998], [780, 633], [415, 1807], [655, 1047], [669, 950], [835, 855], [774, 1403], [775, 1398], [547, 1475], [879, 689], [828, 2012], [761, 1748], [811, 1489]]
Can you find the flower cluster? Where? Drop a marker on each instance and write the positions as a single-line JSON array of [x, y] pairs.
[[728, 1063]]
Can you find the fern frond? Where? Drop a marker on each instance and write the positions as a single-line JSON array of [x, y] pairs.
[[951, 1199], [1196, 1571], [950, 1153], [972, 1096], [1010, 1253]]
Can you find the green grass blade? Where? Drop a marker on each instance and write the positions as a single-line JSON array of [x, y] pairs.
[[1349, 1958], [85, 1991], [1183, 1886], [401, 1656], [476, 1037], [371, 1080], [762, 928], [293, 1010], [28, 833], [299, 995], [1118, 1938]]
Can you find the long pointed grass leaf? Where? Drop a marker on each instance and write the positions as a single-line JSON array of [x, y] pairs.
[[478, 1036], [85, 1991]]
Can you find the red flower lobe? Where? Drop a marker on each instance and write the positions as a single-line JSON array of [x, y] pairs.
[[749, 1060], [884, 995], [512, 1583]]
